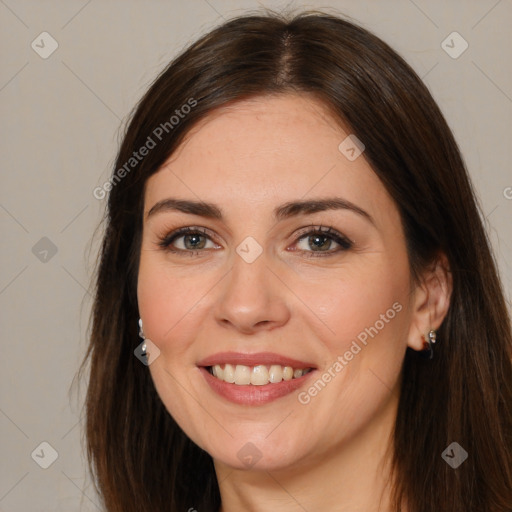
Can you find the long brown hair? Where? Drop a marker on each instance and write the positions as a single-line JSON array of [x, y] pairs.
[[139, 457]]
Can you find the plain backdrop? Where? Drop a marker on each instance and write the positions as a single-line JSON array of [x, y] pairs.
[[62, 115]]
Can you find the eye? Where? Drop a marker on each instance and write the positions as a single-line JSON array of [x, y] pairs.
[[315, 242], [320, 240], [189, 240]]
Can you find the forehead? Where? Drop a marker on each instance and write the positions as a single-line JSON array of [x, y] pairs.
[[264, 151]]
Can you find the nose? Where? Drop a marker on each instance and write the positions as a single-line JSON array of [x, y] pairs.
[[253, 298]]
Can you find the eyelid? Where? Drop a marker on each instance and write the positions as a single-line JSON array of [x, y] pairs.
[[332, 234], [325, 230], [343, 241], [170, 237]]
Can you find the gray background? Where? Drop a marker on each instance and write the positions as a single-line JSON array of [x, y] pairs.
[[61, 122]]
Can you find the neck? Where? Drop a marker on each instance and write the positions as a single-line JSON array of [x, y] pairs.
[[353, 476]]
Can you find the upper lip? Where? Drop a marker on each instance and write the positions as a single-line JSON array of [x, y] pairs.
[[265, 358]]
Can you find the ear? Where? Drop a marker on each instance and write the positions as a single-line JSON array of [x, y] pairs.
[[430, 301]]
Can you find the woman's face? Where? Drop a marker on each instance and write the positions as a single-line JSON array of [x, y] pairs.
[[305, 304]]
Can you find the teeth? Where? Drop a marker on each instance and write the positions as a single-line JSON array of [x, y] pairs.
[[242, 375], [275, 373], [229, 373], [218, 371], [258, 375], [287, 373]]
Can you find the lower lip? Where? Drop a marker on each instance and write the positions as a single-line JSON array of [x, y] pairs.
[[254, 395]]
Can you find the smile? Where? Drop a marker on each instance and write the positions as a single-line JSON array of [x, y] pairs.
[[258, 375], [254, 379]]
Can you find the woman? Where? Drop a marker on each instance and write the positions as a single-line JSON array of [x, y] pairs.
[[290, 231]]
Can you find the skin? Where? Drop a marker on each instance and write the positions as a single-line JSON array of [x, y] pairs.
[[331, 453]]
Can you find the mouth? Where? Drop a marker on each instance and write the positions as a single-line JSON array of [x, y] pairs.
[[254, 379], [258, 375]]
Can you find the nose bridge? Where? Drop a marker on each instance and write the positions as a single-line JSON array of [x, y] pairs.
[[252, 295], [249, 276], [250, 261]]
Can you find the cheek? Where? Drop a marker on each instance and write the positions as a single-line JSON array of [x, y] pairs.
[[357, 303], [167, 307], [169, 300], [153, 297], [366, 312]]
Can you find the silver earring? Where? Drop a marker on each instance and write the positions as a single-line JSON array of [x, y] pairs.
[[429, 344], [141, 334]]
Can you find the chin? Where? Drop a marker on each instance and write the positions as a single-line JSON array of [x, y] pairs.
[[259, 454]]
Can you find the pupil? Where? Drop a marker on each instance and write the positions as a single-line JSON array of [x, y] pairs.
[[316, 238], [195, 244]]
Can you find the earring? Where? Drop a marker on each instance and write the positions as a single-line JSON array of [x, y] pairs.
[[141, 334], [428, 350]]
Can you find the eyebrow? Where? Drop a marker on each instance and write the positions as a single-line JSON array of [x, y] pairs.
[[282, 212]]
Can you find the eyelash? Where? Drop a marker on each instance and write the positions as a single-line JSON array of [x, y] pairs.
[[329, 233]]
